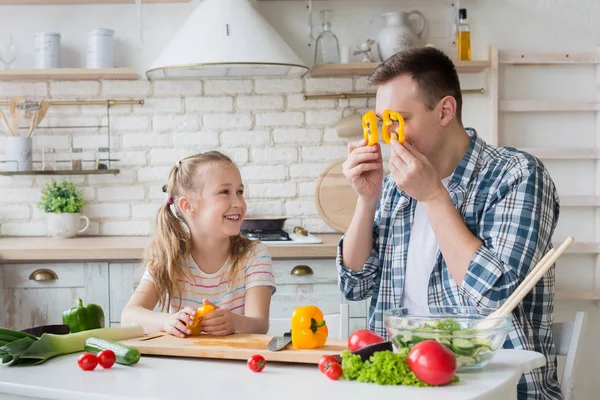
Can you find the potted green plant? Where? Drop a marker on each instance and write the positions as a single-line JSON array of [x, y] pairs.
[[63, 202]]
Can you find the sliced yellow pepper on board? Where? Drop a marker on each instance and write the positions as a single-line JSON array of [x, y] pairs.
[[389, 117], [369, 124]]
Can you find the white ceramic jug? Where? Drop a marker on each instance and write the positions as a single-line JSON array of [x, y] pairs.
[[398, 33]]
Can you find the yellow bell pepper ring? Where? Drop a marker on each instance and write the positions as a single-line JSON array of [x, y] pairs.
[[200, 312], [369, 124], [309, 330], [389, 117]]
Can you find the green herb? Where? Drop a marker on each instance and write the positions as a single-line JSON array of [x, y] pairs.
[[63, 197], [382, 368]]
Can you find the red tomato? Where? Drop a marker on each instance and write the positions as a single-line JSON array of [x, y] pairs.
[[106, 358], [432, 362], [362, 338], [87, 361], [256, 363], [325, 362], [334, 371]]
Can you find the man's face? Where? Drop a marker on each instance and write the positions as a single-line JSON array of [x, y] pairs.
[[422, 127]]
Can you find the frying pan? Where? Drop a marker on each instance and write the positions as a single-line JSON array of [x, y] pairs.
[[263, 222]]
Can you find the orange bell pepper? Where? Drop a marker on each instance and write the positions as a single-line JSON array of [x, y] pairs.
[[200, 312], [389, 117], [369, 124]]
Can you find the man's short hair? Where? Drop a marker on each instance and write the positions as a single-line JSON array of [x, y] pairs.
[[433, 72]]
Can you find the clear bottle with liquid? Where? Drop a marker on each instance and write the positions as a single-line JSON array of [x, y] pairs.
[[327, 49], [463, 37]]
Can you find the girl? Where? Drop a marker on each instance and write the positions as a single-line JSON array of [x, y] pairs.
[[199, 257]]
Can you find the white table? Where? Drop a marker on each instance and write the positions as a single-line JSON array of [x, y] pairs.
[[179, 378]]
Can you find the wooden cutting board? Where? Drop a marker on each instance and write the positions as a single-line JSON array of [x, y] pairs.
[[335, 198], [233, 347]]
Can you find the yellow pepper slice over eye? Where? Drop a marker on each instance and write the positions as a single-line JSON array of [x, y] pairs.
[[369, 124], [389, 117]]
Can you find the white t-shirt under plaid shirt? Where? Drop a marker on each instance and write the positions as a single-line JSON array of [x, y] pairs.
[[257, 271]]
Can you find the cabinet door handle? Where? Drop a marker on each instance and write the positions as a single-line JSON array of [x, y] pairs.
[[43, 275], [300, 270]]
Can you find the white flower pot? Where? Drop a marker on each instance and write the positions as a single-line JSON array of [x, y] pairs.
[[66, 225]]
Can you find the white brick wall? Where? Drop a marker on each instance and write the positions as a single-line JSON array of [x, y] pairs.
[[280, 142]]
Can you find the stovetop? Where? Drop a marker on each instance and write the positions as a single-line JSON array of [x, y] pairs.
[[266, 236]]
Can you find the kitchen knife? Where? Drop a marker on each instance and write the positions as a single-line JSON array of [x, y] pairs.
[[279, 342]]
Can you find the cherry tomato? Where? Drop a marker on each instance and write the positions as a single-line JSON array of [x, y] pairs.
[[106, 358], [256, 363], [362, 338], [432, 362], [325, 362], [334, 371], [87, 361]]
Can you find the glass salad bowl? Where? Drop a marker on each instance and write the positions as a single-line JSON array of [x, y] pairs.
[[456, 327]]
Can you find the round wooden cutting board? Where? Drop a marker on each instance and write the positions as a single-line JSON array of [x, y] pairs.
[[335, 197]]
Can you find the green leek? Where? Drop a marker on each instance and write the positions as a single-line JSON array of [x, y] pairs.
[[25, 349]]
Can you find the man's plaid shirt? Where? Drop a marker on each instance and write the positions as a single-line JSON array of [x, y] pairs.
[[508, 200]]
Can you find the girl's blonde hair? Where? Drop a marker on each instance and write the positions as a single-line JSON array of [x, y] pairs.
[[167, 256]]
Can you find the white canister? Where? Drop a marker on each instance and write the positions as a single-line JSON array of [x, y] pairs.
[[100, 48], [47, 50], [18, 153]]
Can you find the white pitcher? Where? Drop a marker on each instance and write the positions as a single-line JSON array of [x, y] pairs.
[[398, 33]]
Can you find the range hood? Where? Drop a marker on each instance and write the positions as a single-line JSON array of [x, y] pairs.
[[226, 39]]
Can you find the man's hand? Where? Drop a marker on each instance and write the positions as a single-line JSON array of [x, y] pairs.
[[364, 169], [413, 173]]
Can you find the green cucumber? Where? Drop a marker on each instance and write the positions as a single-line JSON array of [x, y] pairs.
[[126, 355]]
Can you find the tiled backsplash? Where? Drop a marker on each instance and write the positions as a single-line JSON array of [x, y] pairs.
[[280, 141]]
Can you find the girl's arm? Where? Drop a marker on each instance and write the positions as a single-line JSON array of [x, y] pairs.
[[139, 311], [256, 311]]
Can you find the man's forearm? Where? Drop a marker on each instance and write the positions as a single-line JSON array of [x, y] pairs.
[[358, 240], [456, 242]]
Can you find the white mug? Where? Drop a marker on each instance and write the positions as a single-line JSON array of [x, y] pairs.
[[66, 225]]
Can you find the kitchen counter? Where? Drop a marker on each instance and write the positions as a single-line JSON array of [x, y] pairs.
[[112, 248], [182, 378]]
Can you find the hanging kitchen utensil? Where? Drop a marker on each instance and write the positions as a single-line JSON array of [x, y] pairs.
[[33, 123], [13, 114], [44, 105]]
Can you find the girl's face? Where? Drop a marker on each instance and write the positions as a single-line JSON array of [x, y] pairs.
[[217, 208]]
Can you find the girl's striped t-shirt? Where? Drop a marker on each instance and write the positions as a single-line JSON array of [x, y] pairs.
[[257, 271]]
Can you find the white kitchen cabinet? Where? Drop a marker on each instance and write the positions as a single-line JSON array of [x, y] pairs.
[[124, 278], [38, 293]]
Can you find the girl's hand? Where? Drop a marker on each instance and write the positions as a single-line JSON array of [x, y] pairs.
[[175, 323], [218, 322]]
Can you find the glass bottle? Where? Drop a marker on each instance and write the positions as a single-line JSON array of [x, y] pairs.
[[77, 159], [48, 159], [327, 49], [463, 37]]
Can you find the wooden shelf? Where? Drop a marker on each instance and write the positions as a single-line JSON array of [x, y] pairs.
[[68, 74], [563, 153], [65, 172], [516, 58], [547, 105], [365, 69], [74, 2]]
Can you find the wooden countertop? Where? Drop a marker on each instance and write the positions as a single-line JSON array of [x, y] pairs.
[[123, 248]]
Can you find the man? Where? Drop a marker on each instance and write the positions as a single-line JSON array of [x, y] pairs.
[[456, 222]]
